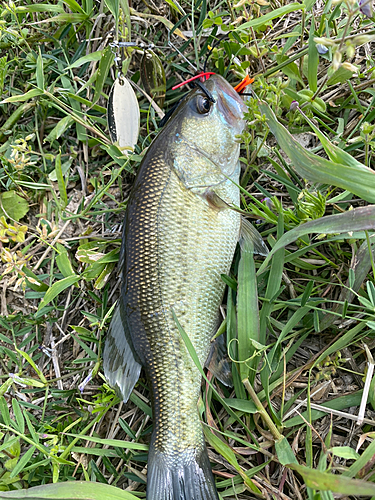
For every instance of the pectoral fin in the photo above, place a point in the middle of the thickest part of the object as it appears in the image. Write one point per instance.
(215, 201)
(120, 361)
(250, 239)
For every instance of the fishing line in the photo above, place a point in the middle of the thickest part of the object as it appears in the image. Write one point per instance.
(214, 45)
(205, 91)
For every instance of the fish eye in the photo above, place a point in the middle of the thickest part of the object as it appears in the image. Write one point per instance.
(203, 105)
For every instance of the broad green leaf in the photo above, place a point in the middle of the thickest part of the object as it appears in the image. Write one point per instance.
(111, 256)
(284, 452)
(241, 405)
(64, 169)
(74, 6)
(175, 6)
(4, 411)
(67, 18)
(309, 4)
(56, 289)
(99, 452)
(275, 13)
(290, 70)
(273, 288)
(38, 7)
(60, 128)
(23, 461)
(67, 84)
(8, 444)
(3, 74)
(70, 490)
(113, 6)
(4, 388)
(247, 316)
(34, 185)
(94, 56)
(63, 262)
(104, 276)
(32, 363)
(88, 103)
(341, 75)
(336, 154)
(362, 218)
(344, 452)
(366, 456)
(222, 448)
(39, 71)
(33, 382)
(13, 206)
(18, 416)
(61, 181)
(104, 65)
(357, 179)
(116, 443)
(333, 482)
(23, 97)
(339, 403)
(40, 286)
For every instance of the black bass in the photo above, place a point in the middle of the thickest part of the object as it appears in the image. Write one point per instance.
(180, 235)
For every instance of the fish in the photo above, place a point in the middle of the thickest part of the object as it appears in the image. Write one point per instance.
(179, 236)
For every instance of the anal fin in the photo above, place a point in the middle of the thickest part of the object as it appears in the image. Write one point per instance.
(218, 361)
(120, 361)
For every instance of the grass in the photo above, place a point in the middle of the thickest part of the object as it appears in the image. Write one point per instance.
(299, 422)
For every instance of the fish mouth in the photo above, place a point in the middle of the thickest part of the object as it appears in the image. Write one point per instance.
(230, 105)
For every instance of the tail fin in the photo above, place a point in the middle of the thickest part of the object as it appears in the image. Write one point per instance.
(180, 476)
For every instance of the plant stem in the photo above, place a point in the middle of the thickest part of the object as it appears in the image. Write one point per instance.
(267, 419)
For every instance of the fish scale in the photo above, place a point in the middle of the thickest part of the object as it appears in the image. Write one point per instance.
(176, 245)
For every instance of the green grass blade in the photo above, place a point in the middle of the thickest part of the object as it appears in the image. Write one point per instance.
(339, 403)
(23, 97)
(22, 462)
(366, 456)
(273, 286)
(357, 179)
(39, 71)
(61, 181)
(56, 289)
(362, 218)
(247, 315)
(284, 452)
(114, 7)
(38, 7)
(104, 66)
(333, 482)
(70, 490)
(312, 70)
(276, 13)
(18, 416)
(116, 443)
